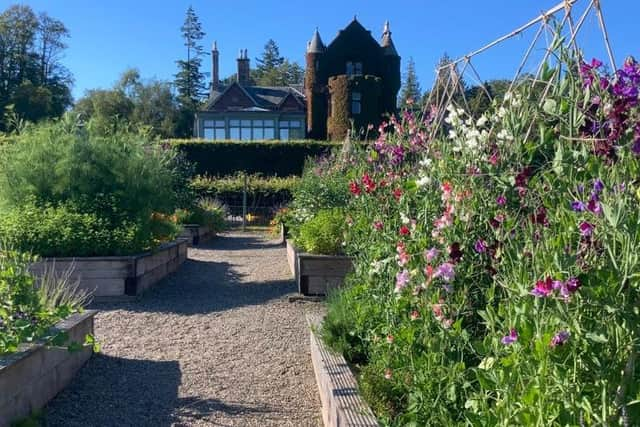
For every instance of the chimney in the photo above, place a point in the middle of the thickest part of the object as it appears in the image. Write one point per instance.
(243, 68)
(215, 70)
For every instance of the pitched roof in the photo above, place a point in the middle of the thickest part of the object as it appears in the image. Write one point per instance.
(265, 98)
(316, 45)
(386, 42)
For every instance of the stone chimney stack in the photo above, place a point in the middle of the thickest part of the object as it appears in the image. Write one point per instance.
(215, 67)
(243, 68)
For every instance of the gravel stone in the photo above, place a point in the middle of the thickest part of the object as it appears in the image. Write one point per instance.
(217, 343)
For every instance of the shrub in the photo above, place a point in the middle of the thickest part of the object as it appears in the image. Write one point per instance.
(323, 234)
(85, 193)
(206, 212)
(26, 311)
(269, 158)
(261, 191)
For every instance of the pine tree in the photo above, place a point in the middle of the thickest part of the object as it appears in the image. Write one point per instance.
(190, 82)
(411, 92)
(449, 85)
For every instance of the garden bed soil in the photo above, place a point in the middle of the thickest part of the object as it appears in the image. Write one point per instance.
(342, 405)
(118, 277)
(317, 274)
(196, 234)
(37, 373)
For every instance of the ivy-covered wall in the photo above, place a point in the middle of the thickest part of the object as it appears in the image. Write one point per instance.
(341, 119)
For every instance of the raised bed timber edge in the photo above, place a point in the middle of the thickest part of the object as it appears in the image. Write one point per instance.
(117, 277)
(196, 234)
(37, 373)
(317, 274)
(342, 405)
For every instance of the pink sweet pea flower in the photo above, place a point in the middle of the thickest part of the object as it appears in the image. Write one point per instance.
(543, 288)
(511, 338)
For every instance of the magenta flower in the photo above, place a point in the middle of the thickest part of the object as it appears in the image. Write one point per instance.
(445, 271)
(480, 246)
(430, 254)
(586, 229)
(378, 225)
(511, 338)
(560, 338)
(402, 278)
(501, 200)
(594, 206)
(543, 288)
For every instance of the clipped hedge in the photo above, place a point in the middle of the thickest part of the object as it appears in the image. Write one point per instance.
(263, 191)
(269, 158)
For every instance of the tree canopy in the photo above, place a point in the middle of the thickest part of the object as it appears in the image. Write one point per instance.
(411, 93)
(34, 85)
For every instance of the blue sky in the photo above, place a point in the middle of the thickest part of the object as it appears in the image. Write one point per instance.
(110, 36)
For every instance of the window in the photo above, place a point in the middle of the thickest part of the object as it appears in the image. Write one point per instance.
(214, 129)
(356, 98)
(263, 129)
(349, 68)
(354, 68)
(291, 129)
(245, 130)
(358, 68)
(234, 130)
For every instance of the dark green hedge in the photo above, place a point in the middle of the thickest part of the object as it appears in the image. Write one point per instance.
(269, 158)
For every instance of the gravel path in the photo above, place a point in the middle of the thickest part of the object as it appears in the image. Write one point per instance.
(216, 344)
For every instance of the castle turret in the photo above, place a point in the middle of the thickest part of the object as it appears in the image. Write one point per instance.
(315, 90)
(392, 76)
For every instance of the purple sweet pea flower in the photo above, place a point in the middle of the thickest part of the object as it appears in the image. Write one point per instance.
(511, 338)
(501, 200)
(594, 206)
(586, 229)
(560, 338)
(402, 278)
(598, 186)
(430, 254)
(445, 271)
(480, 246)
(578, 206)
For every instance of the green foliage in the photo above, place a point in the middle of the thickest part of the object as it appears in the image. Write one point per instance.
(206, 212)
(35, 84)
(269, 158)
(275, 70)
(147, 106)
(411, 93)
(496, 276)
(64, 189)
(257, 186)
(27, 312)
(324, 233)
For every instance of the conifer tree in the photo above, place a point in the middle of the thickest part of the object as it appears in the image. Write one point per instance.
(190, 81)
(411, 91)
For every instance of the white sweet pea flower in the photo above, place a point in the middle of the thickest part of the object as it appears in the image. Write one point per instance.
(404, 218)
(426, 162)
(502, 112)
(481, 121)
(424, 181)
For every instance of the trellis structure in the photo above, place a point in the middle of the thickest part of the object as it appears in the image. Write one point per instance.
(567, 27)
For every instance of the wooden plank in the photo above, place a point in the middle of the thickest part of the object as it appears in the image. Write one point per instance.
(342, 405)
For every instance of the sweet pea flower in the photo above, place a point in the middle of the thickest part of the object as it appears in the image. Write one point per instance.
(594, 206)
(586, 229)
(543, 288)
(598, 186)
(404, 231)
(354, 188)
(445, 271)
(578, 206)
(415, 315)
(402, 278)
(390, 339)
(560, 338)
(501, 200)
(388, 374)
(430, 254)
(511, 338)
(480, 246)
(378, 225)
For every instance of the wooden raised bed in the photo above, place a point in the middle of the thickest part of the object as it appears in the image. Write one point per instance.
(196, 234)
(342, 405)
(37, 373)
(118, 277)
(317, 274)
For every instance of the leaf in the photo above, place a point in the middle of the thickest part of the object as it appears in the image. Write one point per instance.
(487, 363)
(599, 338)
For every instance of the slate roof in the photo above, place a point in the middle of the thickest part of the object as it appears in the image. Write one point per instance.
(265, 98)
